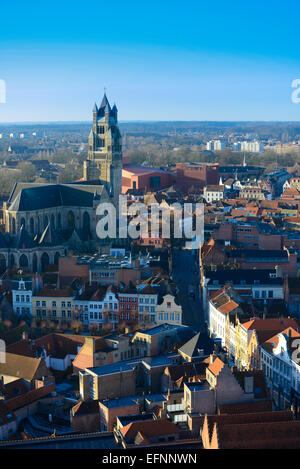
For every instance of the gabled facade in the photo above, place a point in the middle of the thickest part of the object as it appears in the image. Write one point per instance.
(169, 310)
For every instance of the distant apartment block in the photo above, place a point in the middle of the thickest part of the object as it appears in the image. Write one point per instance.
(215, 145)
(251, 147)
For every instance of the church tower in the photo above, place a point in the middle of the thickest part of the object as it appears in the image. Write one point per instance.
(104, 161)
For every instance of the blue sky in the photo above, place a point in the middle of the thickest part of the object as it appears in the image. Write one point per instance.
(159, 60)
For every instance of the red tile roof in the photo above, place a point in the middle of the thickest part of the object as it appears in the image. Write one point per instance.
(216, 367)
(264, 435)
(149, 428)
(245, 407)
(21, 348)
(270, 324)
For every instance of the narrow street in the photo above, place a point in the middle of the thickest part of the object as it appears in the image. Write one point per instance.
(186, 277)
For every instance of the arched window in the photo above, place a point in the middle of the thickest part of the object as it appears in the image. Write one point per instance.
(44, 261)
(12, 260)
(31, 225)
(23, 261)
(58, 222)
(34, 263)
(56, 257)
(71, 220)
(2, 263)
(86, 223)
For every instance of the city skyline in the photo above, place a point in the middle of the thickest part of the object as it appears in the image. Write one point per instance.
(158, 64)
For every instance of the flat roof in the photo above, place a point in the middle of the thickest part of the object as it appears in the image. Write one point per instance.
(198, 386)
(110, 369)
(121, 402)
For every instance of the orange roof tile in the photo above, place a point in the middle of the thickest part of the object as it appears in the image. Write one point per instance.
(270, 324)
(216, 366)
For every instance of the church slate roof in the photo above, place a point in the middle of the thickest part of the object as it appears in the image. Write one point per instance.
(52, 195)
(104, 101)
(198, 342)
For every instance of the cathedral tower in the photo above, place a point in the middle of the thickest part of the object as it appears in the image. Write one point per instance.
(104, 161)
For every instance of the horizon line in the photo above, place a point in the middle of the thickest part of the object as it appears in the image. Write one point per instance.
(143, 121)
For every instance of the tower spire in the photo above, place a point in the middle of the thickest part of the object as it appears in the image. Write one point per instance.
(104, 161)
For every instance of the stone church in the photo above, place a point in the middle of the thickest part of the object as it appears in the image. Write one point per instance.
(42, 220)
